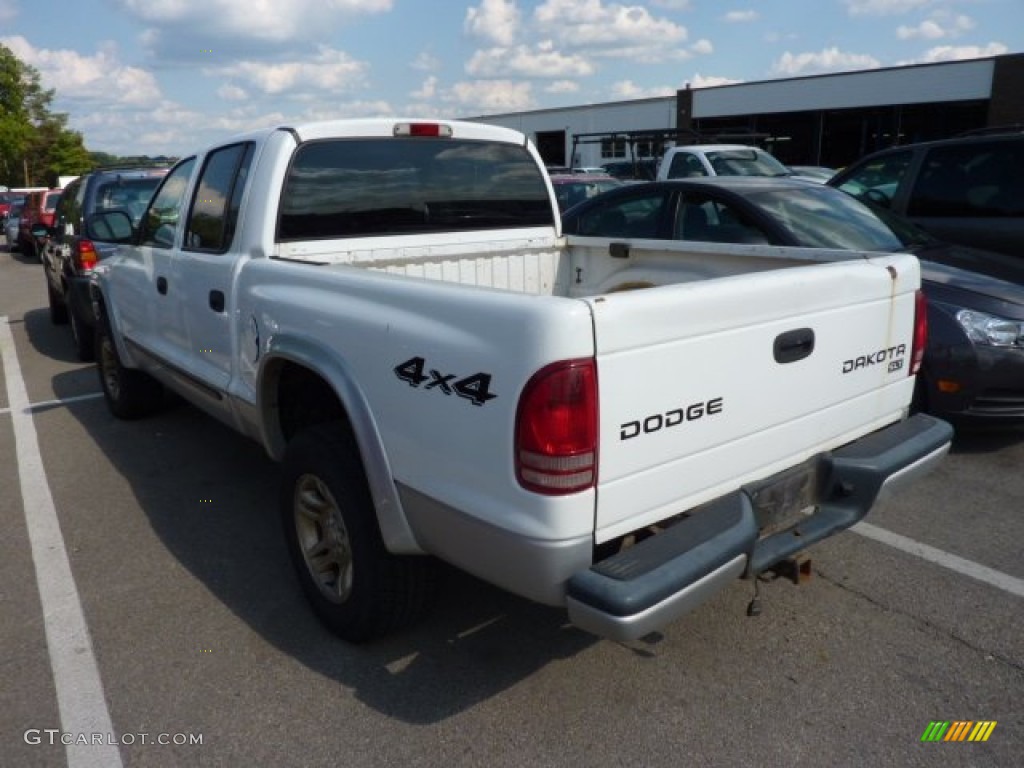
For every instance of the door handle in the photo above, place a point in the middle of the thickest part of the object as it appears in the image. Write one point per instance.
(161, 286)
(217, 301)
(793, 345)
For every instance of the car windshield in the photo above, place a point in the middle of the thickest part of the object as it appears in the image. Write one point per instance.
(818, 217)
(746, 162)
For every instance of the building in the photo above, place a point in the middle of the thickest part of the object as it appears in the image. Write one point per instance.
(826, 120)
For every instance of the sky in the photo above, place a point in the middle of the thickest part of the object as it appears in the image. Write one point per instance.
(169, 77)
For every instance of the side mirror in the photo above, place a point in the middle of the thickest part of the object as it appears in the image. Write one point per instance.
(111, 227)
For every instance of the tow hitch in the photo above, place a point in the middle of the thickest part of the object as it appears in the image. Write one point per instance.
(797, 569)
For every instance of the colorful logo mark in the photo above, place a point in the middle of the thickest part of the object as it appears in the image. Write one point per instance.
(958, 730)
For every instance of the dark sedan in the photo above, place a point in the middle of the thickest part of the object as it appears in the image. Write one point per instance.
(973, 370)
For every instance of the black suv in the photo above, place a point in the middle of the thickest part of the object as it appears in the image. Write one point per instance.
(967, 190)
(77, 241)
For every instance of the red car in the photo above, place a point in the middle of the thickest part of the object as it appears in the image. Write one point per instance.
(39, 209)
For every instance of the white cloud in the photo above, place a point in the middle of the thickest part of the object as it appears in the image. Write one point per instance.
(496, 20)
(272, 20)
(542, 61)
(884, 7)
(961, 52)
(426, 91)
(937, 27)
(593, 24)
(709, 81)
(100, 77)
(739, 17)
(827, 60)
(330, 70)
(492, 96)
(627, 89)
(673, 5)
(562, 86)
(426, 62)
(702, 47)
(231, 92)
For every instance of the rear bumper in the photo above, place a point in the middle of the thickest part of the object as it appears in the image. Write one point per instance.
(649, 585)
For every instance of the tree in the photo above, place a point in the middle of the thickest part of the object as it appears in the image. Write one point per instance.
(36, 145)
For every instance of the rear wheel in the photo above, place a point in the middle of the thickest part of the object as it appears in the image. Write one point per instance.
(357, 589)
(130, 394)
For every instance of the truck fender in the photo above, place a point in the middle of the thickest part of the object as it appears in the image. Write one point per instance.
(336, 373)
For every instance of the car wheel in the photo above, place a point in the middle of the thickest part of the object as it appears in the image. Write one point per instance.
(82, 335)
(357, 589)
(58, 309)
(130, 394)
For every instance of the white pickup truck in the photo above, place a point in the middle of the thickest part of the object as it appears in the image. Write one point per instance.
(389, 307)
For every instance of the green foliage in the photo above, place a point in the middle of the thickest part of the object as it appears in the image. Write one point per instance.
(36, 145)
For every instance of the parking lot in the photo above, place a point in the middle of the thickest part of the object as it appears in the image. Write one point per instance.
(146, 597)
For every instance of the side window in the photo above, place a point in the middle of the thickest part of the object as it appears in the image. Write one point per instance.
(684, 165)
(69, 209)
(700, 218)
(974, 179)
(161, 219)
(878, 180)
(214, 214)
(634, 217)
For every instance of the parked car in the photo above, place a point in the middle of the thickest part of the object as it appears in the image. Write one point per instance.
(7, 200)
(967, 190)
(77, 241)
(39, 209)
(973, 371)
(633, 170)
(817, 173)
(11, 223)
(573, 188)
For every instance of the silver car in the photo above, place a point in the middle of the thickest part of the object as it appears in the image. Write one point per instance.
(11, 226)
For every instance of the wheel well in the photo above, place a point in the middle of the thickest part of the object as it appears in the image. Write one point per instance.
(304, 400)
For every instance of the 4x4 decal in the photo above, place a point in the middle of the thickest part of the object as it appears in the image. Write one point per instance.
(475, 388)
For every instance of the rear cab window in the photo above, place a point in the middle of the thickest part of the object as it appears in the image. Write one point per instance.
(346, 188)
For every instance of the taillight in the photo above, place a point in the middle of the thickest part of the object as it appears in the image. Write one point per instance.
(86, 256)
(556, 429)
(920, 332)
(440, 130)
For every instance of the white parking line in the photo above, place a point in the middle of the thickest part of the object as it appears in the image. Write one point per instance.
(50, 403)
(982, 573)
(80, 699)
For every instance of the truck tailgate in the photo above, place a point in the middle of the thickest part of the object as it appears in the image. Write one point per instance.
(707, 386)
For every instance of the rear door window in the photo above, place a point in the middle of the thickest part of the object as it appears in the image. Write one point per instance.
(342, 188)
(972, 179)
(215, 204)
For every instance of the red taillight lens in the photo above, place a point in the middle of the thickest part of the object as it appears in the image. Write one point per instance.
(556, 429)
(920, 332)
(441, 130)
(86, 255)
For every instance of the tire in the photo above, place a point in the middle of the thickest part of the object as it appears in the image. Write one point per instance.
(83, 336)
(58, 309)
(356, 588)
(130, 394)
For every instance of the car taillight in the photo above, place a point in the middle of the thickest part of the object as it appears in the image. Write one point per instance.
(556, 429)
(920, 332)
(86, 255)
(440, 130)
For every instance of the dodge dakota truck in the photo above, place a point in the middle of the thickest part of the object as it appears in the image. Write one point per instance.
(618, 427)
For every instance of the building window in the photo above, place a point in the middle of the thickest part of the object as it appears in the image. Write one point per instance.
(611, 148)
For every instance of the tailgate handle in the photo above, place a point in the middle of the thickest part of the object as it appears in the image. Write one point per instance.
(794, 345)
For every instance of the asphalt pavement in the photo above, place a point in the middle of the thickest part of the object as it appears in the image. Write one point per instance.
(148, 608)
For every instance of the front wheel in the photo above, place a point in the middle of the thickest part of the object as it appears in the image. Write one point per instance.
(357, 589)
(130, 394)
